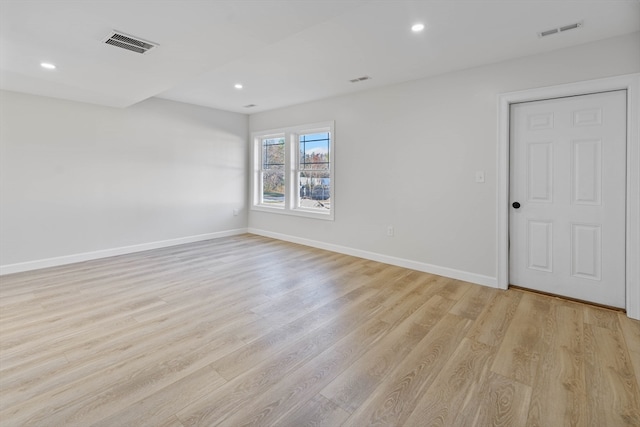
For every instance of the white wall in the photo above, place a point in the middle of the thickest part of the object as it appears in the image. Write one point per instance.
(406, 155)
(77, 178)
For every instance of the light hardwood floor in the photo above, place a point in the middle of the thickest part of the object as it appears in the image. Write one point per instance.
(252, 331)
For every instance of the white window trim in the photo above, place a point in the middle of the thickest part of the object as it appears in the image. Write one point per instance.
(291, 170)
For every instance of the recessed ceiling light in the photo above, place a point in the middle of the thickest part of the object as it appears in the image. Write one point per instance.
(237, 86)
(47, 65)
(416, 28)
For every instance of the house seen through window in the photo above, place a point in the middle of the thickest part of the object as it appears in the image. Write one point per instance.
(314, 172)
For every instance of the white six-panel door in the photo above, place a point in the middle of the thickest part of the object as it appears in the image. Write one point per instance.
(568, 175)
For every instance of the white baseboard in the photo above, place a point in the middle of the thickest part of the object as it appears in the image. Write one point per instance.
(387, 259)
(104, 253)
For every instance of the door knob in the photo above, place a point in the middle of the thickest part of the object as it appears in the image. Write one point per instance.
(516, 205)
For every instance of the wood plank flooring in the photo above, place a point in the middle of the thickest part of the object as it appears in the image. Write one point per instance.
(247, 330)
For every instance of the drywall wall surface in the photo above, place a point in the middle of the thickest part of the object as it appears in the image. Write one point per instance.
(407, 155)
(78, 178)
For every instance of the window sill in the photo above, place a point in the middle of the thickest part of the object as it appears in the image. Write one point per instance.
(294, 212)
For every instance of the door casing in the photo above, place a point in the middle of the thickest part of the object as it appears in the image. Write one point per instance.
(630, 83)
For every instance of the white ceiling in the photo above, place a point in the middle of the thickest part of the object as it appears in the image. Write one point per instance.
(284, 52)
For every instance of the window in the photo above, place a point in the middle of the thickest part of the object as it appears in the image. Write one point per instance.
(314, 171)
(293, 171)
(273, 155)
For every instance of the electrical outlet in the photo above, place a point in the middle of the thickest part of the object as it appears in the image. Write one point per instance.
(390, 231)
(480, 176)
(235, 212)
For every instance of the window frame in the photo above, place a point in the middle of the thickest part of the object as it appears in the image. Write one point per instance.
(292, 170)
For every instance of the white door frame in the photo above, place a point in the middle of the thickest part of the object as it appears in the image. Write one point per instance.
(630, 82)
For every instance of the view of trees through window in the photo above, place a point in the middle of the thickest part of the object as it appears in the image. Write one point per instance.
(273, 158)
(295, 170)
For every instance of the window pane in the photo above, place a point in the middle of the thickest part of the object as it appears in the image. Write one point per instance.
(273, 186)
(314, 175)
(314, 151)
(272, 152)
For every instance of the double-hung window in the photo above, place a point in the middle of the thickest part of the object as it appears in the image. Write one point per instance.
(293, 170)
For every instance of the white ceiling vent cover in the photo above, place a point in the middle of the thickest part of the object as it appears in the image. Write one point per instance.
(560, 29)
(360, 79)
(128, 42)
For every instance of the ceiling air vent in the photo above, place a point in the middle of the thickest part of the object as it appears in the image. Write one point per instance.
(548, 32)
(571, 27)
(125, 41)
(360, 79)
(560, 29)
